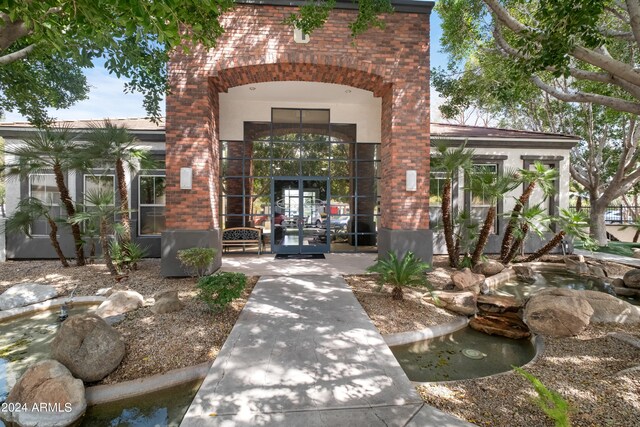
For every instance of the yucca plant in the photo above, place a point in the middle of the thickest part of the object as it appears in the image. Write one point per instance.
(399, 272)
(550, 401)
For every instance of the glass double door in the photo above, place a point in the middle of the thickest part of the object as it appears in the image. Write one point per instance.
(299, 207)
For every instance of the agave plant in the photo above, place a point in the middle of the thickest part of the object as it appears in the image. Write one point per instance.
(400, 272)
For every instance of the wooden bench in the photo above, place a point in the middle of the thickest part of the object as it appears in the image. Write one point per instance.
(242, 236)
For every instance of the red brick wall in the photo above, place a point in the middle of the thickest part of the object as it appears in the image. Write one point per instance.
(256, 47)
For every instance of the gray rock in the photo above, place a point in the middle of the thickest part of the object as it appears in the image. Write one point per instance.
(626, 292)
(609, 309)
(636, 253)
(459, 302)
(466, 280)
(167, 302)
(579, 267)
(488, 268)
(120, 302)
(555, 314)
(617, 282)
(47, 382)
(597, 271)
(88, 347)
(524, 272)
(26, 294)
(632, 278)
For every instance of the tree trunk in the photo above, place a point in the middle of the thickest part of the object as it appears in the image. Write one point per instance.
(557, 239)
(484, 235)
(597, 226)
(636, 236)
(516, 245)
(579, 204)
(124, 203)
(507, 240)
(397, 293)
(71, 210)
(104, 240)
(448, 223)
(53, 235)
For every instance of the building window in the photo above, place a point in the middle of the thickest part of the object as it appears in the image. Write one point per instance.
(151, 212)
(44, 188)
(437, 180)
(479, 202)
(104, 184)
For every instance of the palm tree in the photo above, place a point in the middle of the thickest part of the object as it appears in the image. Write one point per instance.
(541, 176)
(571, 224)
(493, 188)
(113, 146)
(100, 209)
(57, 150)
(450, 161)
(530, 219)
(30, 210)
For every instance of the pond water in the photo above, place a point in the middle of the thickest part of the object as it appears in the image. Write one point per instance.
(25, 341)
(162, 408)
(461, 355)
(558, 278)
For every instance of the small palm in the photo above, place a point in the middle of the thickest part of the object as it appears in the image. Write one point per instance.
(400, 272)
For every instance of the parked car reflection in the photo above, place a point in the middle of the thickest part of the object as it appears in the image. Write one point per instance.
(336, 222)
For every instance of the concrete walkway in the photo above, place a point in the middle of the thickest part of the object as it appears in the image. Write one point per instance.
(304, 353)
(266, 265)
(633, 262)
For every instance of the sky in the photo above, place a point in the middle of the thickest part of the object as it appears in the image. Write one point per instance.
(107, 98)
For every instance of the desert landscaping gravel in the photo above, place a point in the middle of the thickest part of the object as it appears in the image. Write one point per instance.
(598, 374)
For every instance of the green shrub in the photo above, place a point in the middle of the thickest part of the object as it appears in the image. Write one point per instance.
(196, 261)
(126, 255)
(399, 272)
(550, 401)
(220, 289)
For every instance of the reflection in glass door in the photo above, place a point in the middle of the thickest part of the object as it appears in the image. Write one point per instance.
(299, 209)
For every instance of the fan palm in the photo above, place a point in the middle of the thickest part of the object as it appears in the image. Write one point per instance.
(57, 150)
(101, 210)
(30, 210)
(451, 161)
(400, 272)
(493, 187)
(540, 176)
(530, 219)
(114, 146)
(572, 224)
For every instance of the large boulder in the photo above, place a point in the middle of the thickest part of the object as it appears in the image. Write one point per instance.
(524, 272)
(466, 280)
(459, 302)
(488, 268)
(26, 294)
(609, 309)
(597, 271)
(88, 346)
(498, 304)
(579, 267)
(504, 324)
(167, 302)
(632, 278)
(555, 314)
(47, 395)
(120, 302)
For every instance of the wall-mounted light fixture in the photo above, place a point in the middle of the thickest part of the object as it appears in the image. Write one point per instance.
(186, 178)
(412, 180)
(300, 37)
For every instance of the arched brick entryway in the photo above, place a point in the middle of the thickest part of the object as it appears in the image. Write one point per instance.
(393, 64)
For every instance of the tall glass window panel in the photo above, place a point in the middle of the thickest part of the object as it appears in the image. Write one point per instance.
(44, 188)
(99, 184)
(480, 202)
(151, 213)
(437, 180)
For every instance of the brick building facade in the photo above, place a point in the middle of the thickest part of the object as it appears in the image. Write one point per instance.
(392, 64)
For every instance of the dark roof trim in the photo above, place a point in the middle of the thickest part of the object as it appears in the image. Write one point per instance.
(542, 158)
(142, 135)
(531, 142)
(406, 6)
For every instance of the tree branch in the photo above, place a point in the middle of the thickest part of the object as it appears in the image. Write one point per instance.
(505, 17)
(634, 18)
(15, 56)
(607, 101)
